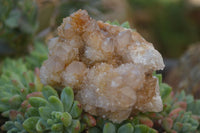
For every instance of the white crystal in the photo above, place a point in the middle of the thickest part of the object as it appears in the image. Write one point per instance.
(109, 67)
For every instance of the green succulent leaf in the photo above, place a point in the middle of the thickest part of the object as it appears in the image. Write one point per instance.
(13, 20)
(75, 127)
(37, 56)
(109, 128)
(45, 112)
(50, 122)
(194, 107)
(83, 126)
(115, 23)
(57, 127)
(41, 125)
(94, 130)
(15, 101)
(8, 125)
(109, 22)
(165, 90)
(3, 108)
(32, 112)
(55, 104)
(76, 110)
(37, 102)
(126, 128)
(100, 122)
(13, 114)
(14, 125)
(56, 116)
(143, 129)
(30, 124)
(66, 119)
(18, 125)
(91, 122)
(48, 91)
(67, 98)
(126, 25)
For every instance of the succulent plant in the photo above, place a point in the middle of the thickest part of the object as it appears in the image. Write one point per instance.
(18, 24)
(177, 115)
(128, 126)
(192, 107)
(37, 56)
(16, 84)
(124, 25)
(15, 125)
(55, 115)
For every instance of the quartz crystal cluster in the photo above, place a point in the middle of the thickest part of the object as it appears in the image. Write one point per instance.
(109, 67)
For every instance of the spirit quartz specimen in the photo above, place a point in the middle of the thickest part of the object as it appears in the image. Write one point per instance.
(109, 67)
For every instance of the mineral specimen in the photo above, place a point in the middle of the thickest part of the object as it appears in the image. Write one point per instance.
(109, 67)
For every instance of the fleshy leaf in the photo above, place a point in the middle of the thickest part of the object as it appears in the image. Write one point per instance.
(115, 23)
(57, 127)
(126, 25)
(41, 125)
(76, 110)
(48, 91)
(126, 128)
(109, 128)
(165, 90)
(75, 127)
(66, 119)
(15, 101)
(32, 112)
(55, 103)
(37, 102)
(13, 20)
(30, 124)
(45, 112)
(94, 130)
(90, 120)
(67, 98)
(143, 129)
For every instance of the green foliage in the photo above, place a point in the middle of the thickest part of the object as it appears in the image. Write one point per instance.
(37, 56)
(128, 126)
(29, 124)
(89, 120)
(124, 25)
(16, 83)
(169, 22)
(67, 97)
(185, 123)
(109, 128)
(18, 24)
(180, 111)
(55, 115)
(15, 126)
(194, 107)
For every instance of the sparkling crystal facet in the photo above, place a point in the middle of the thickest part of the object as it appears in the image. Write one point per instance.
(109, 67)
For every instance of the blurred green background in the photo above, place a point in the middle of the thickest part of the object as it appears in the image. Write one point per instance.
(171, 25)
